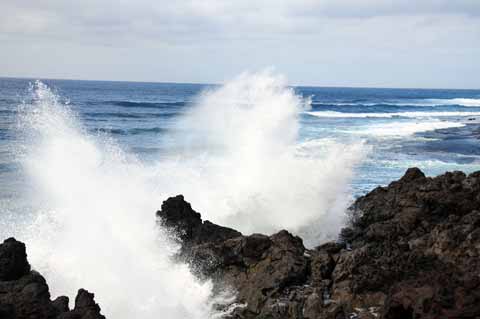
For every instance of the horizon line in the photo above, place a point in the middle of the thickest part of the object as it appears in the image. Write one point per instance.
(204, 83)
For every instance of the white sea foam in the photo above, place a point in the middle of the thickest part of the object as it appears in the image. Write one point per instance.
(468, 102)
(419, 114)
(237, 161)
(457, 101)
(402, 129)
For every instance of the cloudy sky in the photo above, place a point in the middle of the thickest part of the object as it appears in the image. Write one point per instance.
(383, 43)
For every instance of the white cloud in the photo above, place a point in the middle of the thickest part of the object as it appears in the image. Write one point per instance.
(229, 36)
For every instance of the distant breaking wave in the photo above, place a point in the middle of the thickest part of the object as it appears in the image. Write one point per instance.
(467, 102)
(335, 114)
(397, 130)
(457, 101)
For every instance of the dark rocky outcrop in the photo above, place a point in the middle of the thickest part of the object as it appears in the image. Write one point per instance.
(188, 226)
(411, 251)
(24, 292)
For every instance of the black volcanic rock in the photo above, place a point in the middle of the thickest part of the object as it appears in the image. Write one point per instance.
(178, 215)
(85, 307)
(24, 293)
(13, 260)
(412, 250)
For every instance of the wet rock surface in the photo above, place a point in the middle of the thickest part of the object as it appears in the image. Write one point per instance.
(411, 251)
(24, 293)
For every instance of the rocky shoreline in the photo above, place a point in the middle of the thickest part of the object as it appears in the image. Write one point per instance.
(24, 292)
(411, 250)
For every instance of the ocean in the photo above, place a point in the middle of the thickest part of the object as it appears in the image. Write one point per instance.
(85, 164)
(433, 129)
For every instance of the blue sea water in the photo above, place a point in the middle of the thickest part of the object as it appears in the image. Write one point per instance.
(434, 129)
(86, 213)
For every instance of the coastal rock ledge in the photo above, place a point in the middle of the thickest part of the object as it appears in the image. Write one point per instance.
(24, 292)
(411, 251)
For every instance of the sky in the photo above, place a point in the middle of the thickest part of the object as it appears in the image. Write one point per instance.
(368, 43)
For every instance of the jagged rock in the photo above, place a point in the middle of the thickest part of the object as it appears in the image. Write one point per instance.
(258, 266)
(24, 293)
(179, 216)
(13, 260)
(411, 251)
(85, 307)
(415, 242)
(61, 304)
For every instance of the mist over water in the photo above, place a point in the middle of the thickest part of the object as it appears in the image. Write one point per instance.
(236, 158)
(95, 225)
(242, 164)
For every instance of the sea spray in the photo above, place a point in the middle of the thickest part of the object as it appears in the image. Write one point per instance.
(239, 161)
(95, 224)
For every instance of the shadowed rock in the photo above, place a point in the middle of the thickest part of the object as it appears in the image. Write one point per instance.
(178, 215)
(13, 260)
(24, 293)
(85, 307)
